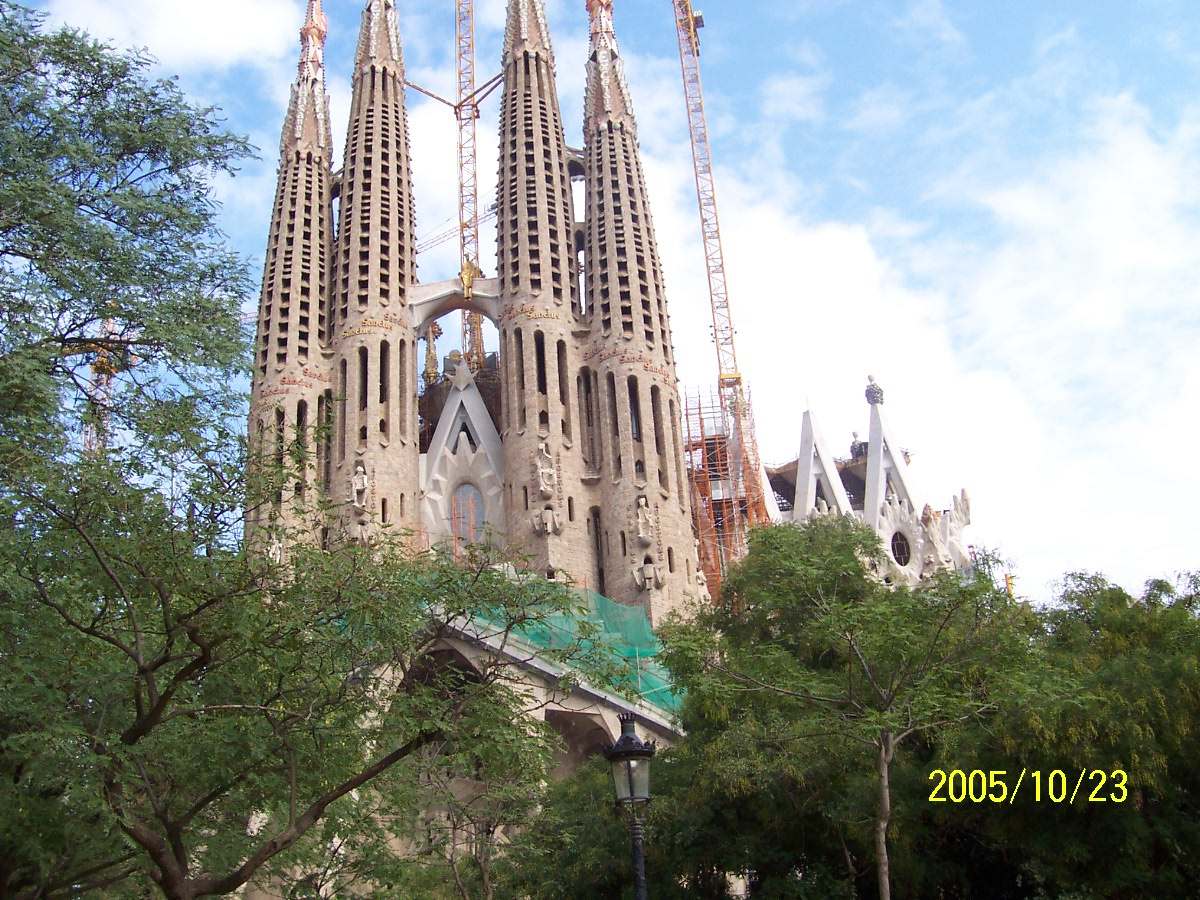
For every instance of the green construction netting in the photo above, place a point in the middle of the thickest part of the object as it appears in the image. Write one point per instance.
(624, 633)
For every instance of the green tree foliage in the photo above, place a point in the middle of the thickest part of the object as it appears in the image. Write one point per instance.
(178, 716)
(778, 776)
(1133, 665)
(816, 695)
(105, 217)
(810, 658)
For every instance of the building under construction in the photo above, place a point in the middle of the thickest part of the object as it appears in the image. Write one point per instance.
(570, 441)
(573, 440)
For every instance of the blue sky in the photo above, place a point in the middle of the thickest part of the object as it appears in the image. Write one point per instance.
(992, 208)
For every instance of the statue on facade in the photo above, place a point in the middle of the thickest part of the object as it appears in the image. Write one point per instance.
(543, 466)
(645, 522)
(360, 484)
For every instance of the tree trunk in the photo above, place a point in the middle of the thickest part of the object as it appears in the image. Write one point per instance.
(883, 815)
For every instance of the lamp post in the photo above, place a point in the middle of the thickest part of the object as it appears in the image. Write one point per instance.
(630, 761)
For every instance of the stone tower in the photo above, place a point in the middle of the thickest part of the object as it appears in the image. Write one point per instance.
(290, 389)
(568, 449)
(375, 456)
(539, 307)
(634, 409)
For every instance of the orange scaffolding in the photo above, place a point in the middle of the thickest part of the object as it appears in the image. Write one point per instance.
(723, 480)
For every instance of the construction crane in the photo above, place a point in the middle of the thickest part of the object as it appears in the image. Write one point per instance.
(727, 481)
(104, 368)
(467, 108)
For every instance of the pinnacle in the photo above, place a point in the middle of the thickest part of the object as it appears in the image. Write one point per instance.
(526, 31)
(607, 98)
(312, 38)
(308, 113)
(379, 39)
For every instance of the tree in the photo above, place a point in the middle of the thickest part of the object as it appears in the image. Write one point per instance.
(808, 654)
(176, 714)
(105, 217)
(1134, 707)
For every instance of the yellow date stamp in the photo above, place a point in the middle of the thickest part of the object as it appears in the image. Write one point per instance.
(978, 786)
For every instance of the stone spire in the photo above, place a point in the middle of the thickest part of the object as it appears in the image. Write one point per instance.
(635, 421)
(373, 344)
(607, 97)
(527, 32)
(539, 295)
(379, 39)
(307, 119)
(289, 393)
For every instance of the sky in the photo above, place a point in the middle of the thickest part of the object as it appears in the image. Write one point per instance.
(993, 209)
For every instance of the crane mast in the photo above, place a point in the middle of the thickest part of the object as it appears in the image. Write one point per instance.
(467, 109)
(724, 511)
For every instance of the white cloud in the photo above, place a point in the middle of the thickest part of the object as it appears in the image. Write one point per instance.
(928, 19)
(880, 110)
(794, 98)
(185, 36)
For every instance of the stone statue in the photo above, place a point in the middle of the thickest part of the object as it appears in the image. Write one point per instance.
(544, 467)
(275, 550)
(359, 485)
(645, 522)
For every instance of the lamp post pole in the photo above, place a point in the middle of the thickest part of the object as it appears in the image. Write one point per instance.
(639, 859)
(630, 761)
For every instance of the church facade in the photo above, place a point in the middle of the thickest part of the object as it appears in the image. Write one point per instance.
(567, 446)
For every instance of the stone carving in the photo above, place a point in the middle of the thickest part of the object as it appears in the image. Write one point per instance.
(935, 554)
(360, 484)
(275, 550)
(645, 523)
(648, 576)
(362, 532)
(874, 392)
(547, 476)
(547, 521)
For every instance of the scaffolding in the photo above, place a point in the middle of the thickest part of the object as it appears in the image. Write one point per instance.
(721, 480)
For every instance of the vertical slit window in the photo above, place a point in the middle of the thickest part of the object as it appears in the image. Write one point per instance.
(518, 339)
(564, 389)
(302, 434)
(614, 424)
(325, 419)
(403, 397)
(362, 378)
(539, 350)
(635, 409)
(385, 362)
(342, 386)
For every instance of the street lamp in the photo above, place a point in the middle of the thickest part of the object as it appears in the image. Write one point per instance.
(630, 761)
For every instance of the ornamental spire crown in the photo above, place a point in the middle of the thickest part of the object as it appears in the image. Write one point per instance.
(607, 99)
(526, 31)
(312, 40)
(307, 119)
(379, 39)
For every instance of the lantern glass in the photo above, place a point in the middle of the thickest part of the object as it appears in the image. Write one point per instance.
(622, 780)
(631, 778)
(639, 777)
